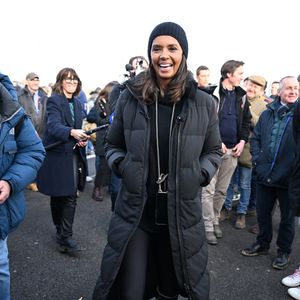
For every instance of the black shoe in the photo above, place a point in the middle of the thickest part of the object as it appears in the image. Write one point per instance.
(281, 261)
(68, 245)
(255, 250)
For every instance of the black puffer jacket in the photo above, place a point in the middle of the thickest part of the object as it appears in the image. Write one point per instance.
(195, 151)
(294, 187)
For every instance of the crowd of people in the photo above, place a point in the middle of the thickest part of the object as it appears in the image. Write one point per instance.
(171, 149)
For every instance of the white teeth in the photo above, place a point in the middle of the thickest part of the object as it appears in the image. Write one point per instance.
(165, 66)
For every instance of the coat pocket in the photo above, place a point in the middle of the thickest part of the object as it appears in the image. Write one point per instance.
(15, 211)
(9, 151)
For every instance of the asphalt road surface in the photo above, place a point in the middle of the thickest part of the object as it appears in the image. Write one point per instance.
(39, 271)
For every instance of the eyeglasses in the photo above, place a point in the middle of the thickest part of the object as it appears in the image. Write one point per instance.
(71, 80)
(35, 79)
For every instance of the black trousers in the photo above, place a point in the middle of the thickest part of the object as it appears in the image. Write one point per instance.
(265, 200)
(63, 211)
(133, 270)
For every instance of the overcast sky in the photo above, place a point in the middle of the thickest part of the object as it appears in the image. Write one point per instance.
(97, 37)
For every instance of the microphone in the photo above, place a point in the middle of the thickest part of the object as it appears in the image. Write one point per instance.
(128, 67)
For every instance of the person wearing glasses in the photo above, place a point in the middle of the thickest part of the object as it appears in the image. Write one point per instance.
(63, 172)
(33, 99)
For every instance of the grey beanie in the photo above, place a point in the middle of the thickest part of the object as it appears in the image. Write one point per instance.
(171, 29)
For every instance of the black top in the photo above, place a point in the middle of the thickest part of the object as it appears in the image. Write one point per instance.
(165, 107)
(228, 123)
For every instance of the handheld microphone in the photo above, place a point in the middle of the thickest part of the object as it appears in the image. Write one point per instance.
(128, 67)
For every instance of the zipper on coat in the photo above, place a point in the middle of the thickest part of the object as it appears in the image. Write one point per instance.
(279, 144)
(186, 286)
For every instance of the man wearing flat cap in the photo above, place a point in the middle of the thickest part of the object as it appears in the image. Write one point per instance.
(33, 99)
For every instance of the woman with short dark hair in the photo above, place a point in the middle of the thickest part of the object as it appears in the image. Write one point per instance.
(63, 172)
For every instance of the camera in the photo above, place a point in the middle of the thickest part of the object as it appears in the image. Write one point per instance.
(136, 65)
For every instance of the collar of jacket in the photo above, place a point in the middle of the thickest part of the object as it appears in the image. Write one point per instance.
(240, 92)
(8, 106)
(276, 106)
(208, 89)
(190, 91)
(25, 90)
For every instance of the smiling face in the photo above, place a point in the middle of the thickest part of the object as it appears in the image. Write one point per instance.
(288, 90)
(254, 90)
(33, 84)
(69, 85)
(166, 57)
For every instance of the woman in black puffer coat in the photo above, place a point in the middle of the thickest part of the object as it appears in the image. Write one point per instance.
(164, 142)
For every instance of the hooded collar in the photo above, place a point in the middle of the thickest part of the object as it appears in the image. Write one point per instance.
(8, 106)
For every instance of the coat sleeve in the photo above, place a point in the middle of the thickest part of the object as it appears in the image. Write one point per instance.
(55, 120)
(211, 155)
(4, 79)
(296, 123)
(28, 159)
(255, 140)
(115, 147)
(246, 123)
(92, 116)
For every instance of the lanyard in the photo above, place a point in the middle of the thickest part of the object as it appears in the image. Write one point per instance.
(161, 181)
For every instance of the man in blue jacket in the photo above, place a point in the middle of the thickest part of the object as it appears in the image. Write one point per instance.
(273, 152)
(21, 155)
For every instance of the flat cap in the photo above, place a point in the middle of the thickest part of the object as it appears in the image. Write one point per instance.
(259, 80)
(31, 76)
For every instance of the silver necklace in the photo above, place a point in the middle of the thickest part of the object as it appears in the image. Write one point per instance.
(161, 181)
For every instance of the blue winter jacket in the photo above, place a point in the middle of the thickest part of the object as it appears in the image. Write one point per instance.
(21, 155)
(272, 147)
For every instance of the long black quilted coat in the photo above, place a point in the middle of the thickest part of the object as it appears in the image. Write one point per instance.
(195, 156)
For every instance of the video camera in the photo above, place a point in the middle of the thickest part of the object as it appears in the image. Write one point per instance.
(136, 65)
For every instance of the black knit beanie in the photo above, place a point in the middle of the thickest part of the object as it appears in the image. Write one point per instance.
(171, 29)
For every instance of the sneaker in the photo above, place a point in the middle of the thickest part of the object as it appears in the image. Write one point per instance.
(294, 293)
(211, 238)
(89, 179)
(224, 215)
(292, 280)
(240, 222)
(254, 250)
(281, 261)
(218, 232)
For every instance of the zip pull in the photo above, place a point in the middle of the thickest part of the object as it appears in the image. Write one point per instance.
(188, 291)
(145, 114)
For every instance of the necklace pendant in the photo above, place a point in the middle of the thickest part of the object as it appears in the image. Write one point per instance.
(162, 184)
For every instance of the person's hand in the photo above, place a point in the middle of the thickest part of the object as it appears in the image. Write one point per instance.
(79, 135)
(82, 143)
(224, 148)
(4, 191)
(238, 149)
